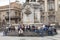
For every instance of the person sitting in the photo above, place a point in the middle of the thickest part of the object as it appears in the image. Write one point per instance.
(19, 27)
(54, 30)
(37, 29)
(20, 32)
(41, 31)
(45, 30)
(50, 31)
(33, 28)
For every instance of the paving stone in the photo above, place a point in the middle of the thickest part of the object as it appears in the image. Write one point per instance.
(56, 37)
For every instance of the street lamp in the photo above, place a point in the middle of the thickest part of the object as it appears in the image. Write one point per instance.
(9, 13)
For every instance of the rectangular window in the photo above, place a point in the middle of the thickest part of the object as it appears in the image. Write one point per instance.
(15, 13)
(7, 13)
(27, 0)
(50, 0)
(16, 21)
(51, 18)
(51, 6)
(19, 14)
(33, 0)
(42, 7)
(42, 19)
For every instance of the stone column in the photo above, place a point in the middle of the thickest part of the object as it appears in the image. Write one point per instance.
(56, 11)
(46, 12)
(56, 5)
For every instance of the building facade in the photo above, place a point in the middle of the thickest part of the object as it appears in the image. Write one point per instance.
(33, 12)
(15, 13)
(40, 11)
(58, 13)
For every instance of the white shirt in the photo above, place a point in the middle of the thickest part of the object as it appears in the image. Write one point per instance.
(20, 31)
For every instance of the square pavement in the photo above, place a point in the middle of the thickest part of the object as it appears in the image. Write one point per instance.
(55, 37)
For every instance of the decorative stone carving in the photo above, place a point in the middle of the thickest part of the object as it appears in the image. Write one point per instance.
(28, 12)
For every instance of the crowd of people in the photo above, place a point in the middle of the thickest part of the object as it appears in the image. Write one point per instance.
(44, 30)
(41, 30)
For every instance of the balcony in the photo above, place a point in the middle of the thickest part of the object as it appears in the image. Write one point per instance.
(51, 9)
(51, 13)
(51, 0)
(13, 17)
(40, 1)
(51, 18)
(52, 22)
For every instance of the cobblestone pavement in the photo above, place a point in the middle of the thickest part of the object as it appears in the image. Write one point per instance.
(56, 37)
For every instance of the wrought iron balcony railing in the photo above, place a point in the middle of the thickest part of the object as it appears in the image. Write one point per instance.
(51, 9)
(13, 17)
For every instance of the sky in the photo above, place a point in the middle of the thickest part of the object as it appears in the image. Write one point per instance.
(5, 2)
